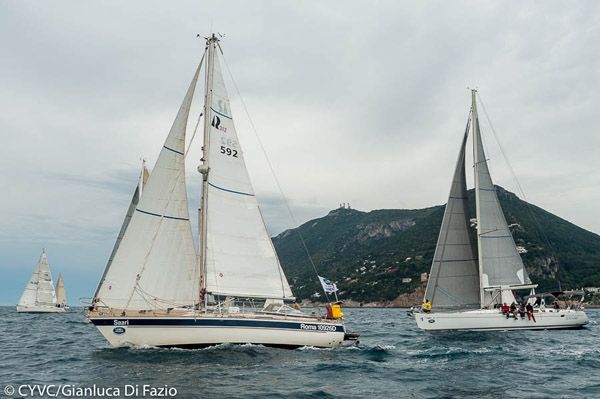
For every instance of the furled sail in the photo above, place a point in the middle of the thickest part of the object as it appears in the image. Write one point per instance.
(454, 278)
(240, 258)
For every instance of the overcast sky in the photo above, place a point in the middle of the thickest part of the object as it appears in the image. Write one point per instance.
(360, 102)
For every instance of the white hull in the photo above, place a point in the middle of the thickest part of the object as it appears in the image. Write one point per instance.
(39, 309)
(493, 320)
(201, 331)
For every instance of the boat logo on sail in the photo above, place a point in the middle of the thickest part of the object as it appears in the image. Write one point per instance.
(119, 330)
(216, 123)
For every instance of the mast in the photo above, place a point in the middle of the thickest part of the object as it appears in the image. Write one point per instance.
(204, 168)
(476, 163)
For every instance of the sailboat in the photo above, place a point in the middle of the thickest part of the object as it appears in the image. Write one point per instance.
(39, 295)
(61, 293)
(158, 290)
(475, 271)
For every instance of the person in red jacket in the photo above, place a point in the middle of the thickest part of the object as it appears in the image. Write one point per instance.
(530, 315)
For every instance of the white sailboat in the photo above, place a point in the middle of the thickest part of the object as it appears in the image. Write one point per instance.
(158, 291)
(39, 295)
(61, 293)
(475, 271)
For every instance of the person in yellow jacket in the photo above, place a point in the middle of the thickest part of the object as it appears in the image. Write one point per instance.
(426, 306)
(336, 310)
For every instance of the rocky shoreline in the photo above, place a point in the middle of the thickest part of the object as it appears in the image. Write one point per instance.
(403, 301)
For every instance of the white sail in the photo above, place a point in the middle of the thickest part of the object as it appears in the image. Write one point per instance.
(144, 175)
(240, 258)
(155, 263)
(454, 278)
(61, 293)
(501, 264)
(40, 287)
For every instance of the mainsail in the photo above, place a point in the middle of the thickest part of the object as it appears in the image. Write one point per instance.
(240, 259)
(501, 264)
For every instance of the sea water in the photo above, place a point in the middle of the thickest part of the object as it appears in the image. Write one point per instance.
(62, 355)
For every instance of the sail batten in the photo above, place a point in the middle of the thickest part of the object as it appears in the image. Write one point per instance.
(162, 216)
(231, 191)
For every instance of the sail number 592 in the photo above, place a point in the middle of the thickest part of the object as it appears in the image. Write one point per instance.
(229, 152)
(226, 147)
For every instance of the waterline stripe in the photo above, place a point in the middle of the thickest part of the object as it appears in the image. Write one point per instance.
(230, 191)
(157, 215)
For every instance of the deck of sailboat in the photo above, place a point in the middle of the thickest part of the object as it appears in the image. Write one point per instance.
(100, 313)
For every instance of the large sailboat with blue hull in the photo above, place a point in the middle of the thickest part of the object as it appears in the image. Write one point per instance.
(158, 290)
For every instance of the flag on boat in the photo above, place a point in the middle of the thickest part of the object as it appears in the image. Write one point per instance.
(328, 285)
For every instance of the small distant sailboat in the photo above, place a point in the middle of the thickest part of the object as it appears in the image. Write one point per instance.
(474, 272)
(61, 293)
(39, 295)
(157, 290)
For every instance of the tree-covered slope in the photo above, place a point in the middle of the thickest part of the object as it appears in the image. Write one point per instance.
(379, 255)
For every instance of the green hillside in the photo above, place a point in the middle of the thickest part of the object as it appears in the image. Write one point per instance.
(379, 255)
